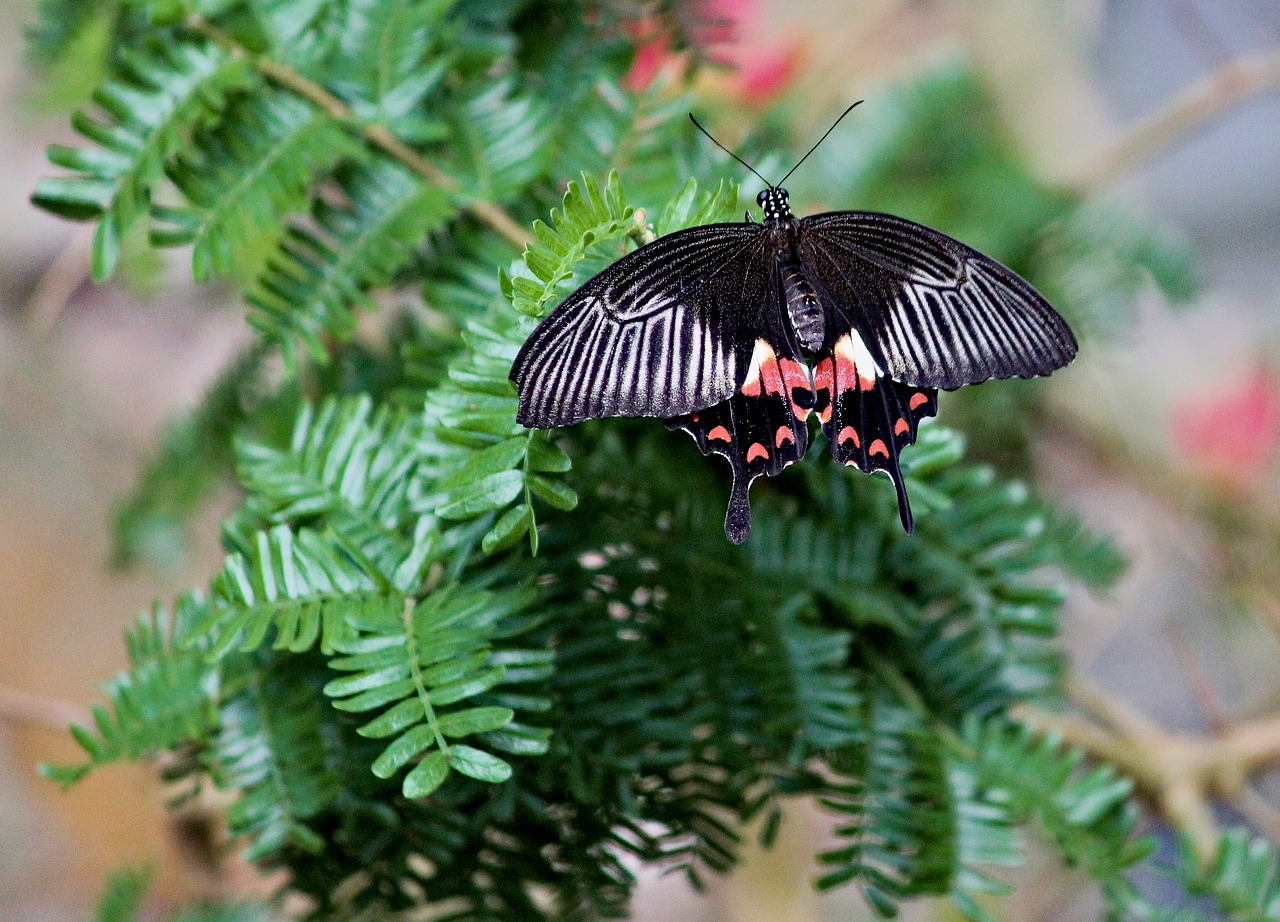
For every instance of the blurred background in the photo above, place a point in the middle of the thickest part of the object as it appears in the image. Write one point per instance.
(1167, 440)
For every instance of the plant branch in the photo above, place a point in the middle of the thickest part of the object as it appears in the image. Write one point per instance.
(1181, 774)
(20, 706)
(377, 135)
(1192, 107)
(58, 283)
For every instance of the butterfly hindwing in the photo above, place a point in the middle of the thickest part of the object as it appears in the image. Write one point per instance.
(935, 313)
(867, 418)
(663, 331)
(760, 429)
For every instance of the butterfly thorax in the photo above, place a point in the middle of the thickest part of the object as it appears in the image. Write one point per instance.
(803, 309)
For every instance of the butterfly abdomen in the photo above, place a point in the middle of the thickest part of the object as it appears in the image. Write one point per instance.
(803, 309)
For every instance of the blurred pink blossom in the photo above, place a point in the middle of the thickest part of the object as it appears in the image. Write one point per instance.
(730, 33)
(1232, 435)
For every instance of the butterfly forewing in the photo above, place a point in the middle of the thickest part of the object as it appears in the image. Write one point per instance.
(661, 332)
(934, 312)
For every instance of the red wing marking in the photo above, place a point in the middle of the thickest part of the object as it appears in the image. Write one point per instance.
(760, 428)
(867, 418)
(784, 377)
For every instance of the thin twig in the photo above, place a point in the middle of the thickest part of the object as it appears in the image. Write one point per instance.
(377, 135)
(24, 707)
(58, 283)
(1194, 106)
(1199, 681)
(1114, 712)
(1191, 21)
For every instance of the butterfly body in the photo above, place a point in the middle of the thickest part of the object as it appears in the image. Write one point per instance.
(739, 333)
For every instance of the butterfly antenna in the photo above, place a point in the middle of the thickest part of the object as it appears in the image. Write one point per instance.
(729, 152)
(820, 140)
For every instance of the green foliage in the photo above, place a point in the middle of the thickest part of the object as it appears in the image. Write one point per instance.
(150, 112)
(420, 662)
(122, 898)
(1242, 882)
(241, 187)
(451, 661)
(166, 697)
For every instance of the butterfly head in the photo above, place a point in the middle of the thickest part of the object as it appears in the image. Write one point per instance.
(774, 202)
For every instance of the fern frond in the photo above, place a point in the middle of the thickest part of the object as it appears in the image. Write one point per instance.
(810, 691)
(588, 217)
(244, 177)
(897, 808)
(1087, 811)
(487, 461)
(166, 697)
(304, 587)
(310, 288)
(501, 141)
(160, 99)
(393, 54)
(418, 662)
(1242, 880)
(271, 751)
(343, 456)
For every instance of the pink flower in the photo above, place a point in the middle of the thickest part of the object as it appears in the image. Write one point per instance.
(1232, 436)
(652, 55)
(728, 32)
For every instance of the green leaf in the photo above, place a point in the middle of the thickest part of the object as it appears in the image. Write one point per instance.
(475, 720)
(427, 775)
(479, 765)
(398, 754)
(482, 495)
(552, 492)
(509, 529)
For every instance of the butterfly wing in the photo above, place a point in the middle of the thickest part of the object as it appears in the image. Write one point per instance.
(867, 418)
(760, 428)
(663, 331)
(934, 312)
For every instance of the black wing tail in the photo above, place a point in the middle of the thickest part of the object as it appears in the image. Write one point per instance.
(868, 419)
(760, 429)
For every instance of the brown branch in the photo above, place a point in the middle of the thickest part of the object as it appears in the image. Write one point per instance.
(377, 135)
(1180, 774)
(1194, 106)
(58, 283)
(24, 707)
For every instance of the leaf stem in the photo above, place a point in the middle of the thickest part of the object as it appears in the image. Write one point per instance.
(375, 134)
(415, 668)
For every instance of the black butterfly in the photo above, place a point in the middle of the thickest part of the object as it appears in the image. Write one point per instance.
(736, 333)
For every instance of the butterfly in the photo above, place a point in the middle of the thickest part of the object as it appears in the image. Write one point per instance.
(738, 333)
